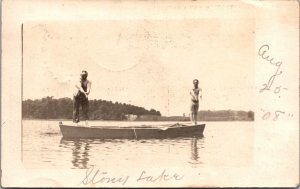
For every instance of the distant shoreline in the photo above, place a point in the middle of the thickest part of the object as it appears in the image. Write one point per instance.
(61, 109)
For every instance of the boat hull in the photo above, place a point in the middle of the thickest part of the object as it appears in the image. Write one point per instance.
(177, 130)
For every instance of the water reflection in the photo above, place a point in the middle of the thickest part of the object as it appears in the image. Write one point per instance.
(84, 151)
(185, 152)
(195, 158)
(80, 152)
(194, 150)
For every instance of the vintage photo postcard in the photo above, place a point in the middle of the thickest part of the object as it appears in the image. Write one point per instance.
(132, 93)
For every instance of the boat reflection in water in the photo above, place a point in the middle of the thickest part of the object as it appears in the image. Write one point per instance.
(103, 152)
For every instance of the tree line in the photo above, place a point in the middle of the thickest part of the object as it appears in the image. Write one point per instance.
(206, 115)
(226, 115)
(62, 108)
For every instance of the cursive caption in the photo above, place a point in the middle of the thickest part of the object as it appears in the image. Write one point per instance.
(96, 176)
(270, 85)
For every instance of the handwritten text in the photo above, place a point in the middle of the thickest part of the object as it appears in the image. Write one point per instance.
(95, 176)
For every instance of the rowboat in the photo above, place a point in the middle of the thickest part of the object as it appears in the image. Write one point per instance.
(132, 132)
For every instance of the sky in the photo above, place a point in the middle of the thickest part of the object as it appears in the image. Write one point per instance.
(148, 63)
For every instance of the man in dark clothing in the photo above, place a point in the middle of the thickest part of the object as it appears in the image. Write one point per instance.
(80, 98)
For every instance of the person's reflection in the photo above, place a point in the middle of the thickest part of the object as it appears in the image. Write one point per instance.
(196, 144)
(194, 150)
(80, 154)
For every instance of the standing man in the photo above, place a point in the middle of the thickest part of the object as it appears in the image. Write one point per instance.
(80, 97)
(195, 100)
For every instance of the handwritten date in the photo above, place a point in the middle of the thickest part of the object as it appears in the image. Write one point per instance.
(274, 115)
(263, 53)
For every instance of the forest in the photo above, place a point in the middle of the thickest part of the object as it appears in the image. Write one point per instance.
(62, 108)
(205, 115)
(226, 115)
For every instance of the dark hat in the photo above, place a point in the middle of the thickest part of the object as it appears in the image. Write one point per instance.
(195, 80)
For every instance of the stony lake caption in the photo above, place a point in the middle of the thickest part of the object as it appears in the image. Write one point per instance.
(96, 176)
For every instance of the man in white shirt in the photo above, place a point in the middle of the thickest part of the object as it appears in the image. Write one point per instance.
(195, 92)
(80, 98)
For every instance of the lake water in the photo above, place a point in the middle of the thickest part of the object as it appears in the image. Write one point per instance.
(223, 144)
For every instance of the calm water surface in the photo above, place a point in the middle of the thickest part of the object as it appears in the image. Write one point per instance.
(223, 143)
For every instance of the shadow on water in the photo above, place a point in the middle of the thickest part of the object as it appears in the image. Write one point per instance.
(81, 148)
